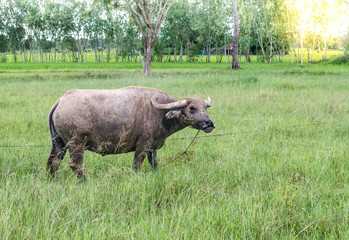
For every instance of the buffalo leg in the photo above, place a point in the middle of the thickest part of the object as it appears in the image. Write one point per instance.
(153, 159)
(139, 157)
(76, 152)
(57, 154)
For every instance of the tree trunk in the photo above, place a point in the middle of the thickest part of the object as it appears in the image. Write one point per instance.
(96, 59)
(283, 53)
(15, 55)
(147, 63)
(247, 55)
(40, 56)
(148, 25)
(235, 62)
(152, 55)
(58, 57)
(312, 51)
(102, 49)
(64, 57)
(78, 48)
(260, 41)
(30, 53)
(20, 54)
(271, 49)
(117, 54)
(140, 56)
(181, 53)
(55, 51)
(301, 50)
(216, 52)
(225, 49)
(175, 54)
(325, 48)
(308, 51)
(169, 55)
(203, 53)
(82, 53)
(24, 55)
(62, 52)
(320, 50)
(298, 56)
(108, 54)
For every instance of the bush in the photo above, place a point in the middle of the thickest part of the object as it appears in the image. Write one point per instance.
(340, 60)
(2, 57)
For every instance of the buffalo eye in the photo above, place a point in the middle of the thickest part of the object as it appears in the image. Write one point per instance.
(192, 109)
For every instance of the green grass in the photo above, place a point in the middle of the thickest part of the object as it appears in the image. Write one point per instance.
(286, 177)
(90, 58)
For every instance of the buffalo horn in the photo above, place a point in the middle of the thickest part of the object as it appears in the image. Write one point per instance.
(170, 106)
(208, 102)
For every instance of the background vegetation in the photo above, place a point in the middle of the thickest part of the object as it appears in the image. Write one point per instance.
(282, 175)
(65, 31)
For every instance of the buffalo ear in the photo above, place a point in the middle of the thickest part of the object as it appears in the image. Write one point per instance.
(173, 114)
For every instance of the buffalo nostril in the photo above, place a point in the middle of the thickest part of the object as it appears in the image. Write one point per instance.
(209, 122)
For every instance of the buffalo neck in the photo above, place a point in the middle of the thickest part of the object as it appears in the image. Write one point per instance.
(172, 125)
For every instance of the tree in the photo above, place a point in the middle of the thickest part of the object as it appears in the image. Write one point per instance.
(208, 22)
(245, 35)
(177, 29)
(235, 64)
(3, 37)
(95, 29)
(15, 26)
(149, 15)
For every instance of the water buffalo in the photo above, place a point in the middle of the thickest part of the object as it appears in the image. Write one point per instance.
(119, 121)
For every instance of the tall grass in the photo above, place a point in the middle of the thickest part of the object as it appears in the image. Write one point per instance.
(282, 175)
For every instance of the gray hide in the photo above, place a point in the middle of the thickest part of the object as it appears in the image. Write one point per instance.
(119, 121)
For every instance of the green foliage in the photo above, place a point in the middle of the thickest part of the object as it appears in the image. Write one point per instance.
(278, 177)
(3, 58)
(340, 60)
(268, 28)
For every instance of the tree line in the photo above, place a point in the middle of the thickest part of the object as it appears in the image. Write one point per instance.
(65, 31)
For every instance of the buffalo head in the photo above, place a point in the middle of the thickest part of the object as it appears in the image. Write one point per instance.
(191, 111)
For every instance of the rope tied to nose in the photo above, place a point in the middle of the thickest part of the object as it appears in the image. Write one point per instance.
(184, 152)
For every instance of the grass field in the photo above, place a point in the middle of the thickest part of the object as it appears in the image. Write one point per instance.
(282, 175)
(90, 57)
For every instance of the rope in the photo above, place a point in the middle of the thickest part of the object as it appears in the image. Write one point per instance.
(248, 132)
(184, 152)
(23, 146)
(191, 142)
(205, 136)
